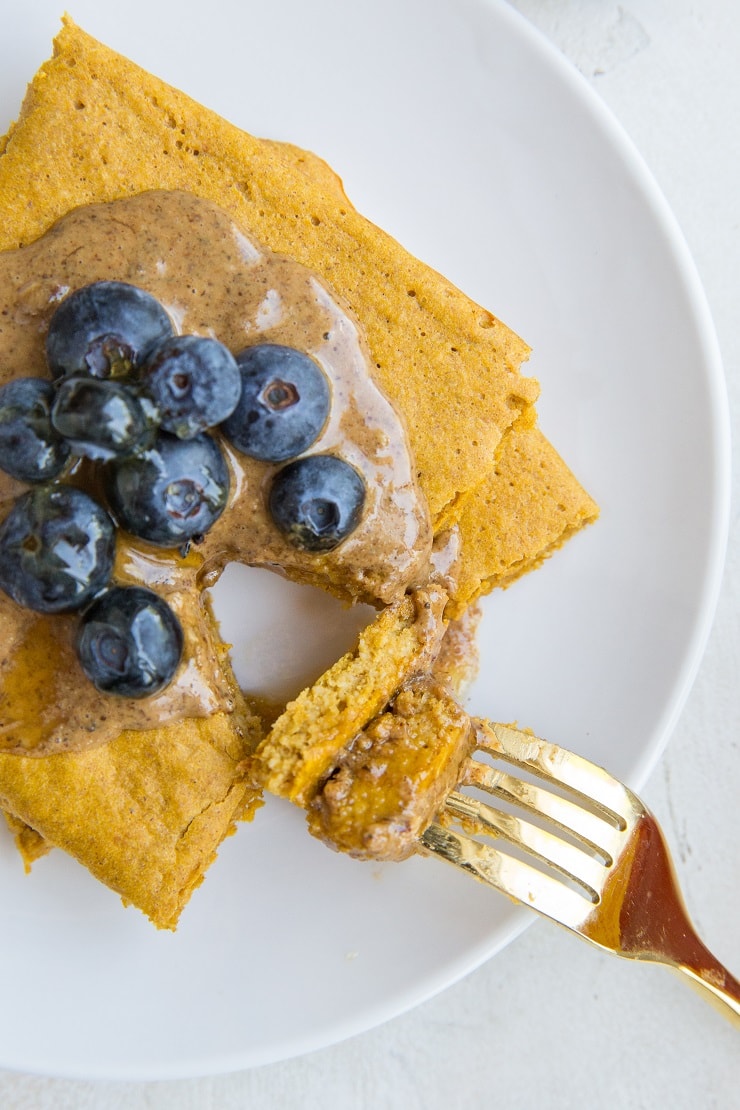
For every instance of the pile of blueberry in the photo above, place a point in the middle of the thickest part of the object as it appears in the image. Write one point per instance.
(138, 403)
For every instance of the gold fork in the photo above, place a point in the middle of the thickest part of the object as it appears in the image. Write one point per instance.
(606, 873)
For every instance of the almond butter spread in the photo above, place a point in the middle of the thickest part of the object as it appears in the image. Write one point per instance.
(213, 281)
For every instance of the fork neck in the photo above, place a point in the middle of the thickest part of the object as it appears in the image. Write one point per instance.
(654, 923)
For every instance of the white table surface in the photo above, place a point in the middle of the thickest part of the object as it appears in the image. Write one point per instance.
(550, 1021)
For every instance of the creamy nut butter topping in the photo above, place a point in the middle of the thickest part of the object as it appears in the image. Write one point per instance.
(214, 281)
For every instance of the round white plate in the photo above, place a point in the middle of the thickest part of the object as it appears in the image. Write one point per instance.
(459, 130)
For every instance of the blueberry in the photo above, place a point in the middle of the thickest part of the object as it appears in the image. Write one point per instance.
(284, 403)
(105, 329)
(171, 492)
(194, 383)
(99, 419)
(129, 642)
(56, 549)
(317, 501)
(30, 448)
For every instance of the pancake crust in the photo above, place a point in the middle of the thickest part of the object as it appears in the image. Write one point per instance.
(500, 539)
(29, 843)
(144, 813)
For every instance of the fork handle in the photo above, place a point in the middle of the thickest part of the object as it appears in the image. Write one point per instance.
(715, 984)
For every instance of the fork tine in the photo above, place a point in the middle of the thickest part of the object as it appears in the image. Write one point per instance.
(513, 877)
(587, 780)
(585, 826)
(552, 850)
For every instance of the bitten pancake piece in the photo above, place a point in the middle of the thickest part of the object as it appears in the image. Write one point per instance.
(144, 813)
(95, 127)
(305, 740)
(390, 780)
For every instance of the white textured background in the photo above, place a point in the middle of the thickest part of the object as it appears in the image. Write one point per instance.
(551, 1022)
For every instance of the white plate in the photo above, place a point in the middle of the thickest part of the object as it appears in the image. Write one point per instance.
(459, 130)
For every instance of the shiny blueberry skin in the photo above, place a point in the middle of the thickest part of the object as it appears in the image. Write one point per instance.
(193, 382)
(105, 329)
(56, 549)
(30, 448)
(100, 419)
(317, 501)
(129, 642)
(171, 492)
(284, 403)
